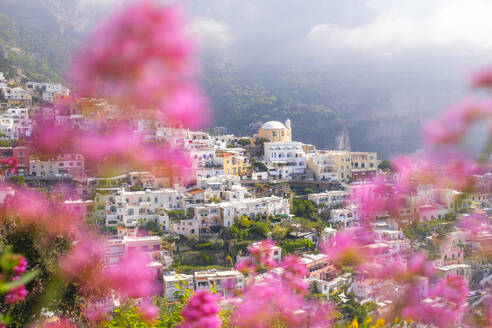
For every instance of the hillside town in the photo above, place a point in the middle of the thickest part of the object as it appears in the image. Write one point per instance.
(240, 190)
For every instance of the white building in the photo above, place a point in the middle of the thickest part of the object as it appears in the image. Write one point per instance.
(175, 283)
(129, 208)
(208, 218)
(115, 249)
(285, 158)
(15, 123)
(329, 198)
(223, 282)
(323, 166)
(344, 217)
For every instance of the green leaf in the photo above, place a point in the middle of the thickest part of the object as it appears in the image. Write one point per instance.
(24, 279)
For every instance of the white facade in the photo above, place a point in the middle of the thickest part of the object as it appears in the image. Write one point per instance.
(115, 249)
(15, 123)
(223, 214)
(343, 216)
(129, 208)
(176, 282)
(285, 158)
(329, 198)
(223, 282)
(323, 166)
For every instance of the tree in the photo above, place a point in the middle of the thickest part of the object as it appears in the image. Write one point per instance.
(260, 230)
(385, 165)
(244, 142)
(279, 232)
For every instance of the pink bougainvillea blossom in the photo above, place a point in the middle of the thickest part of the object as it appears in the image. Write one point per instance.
(474, 222)
(271, 302)
(21, 266)
(148, 311)
(131, 277)
(15, 294)
(292, 273)
(482, 78)
(142, 56)
(344, 249)
(445, 305)
(201, 311)
(260, 258)
(452, 125)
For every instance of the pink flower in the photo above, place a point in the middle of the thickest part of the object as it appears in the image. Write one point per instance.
(16, 294)
(201, 311)
(95, 313)
(260, 258)
(445, 305)
(84, 264)
(21, 266)
(58, 323)
(474, 222)
(131, 278)
(293, 273)
(141, 56)
(482, 78)
(186, 106)
(344, 249)
(50, 139)
(148, 311)
(31, 207)
(382, 268)
(453, 124)
(271, 302)
(418, 265)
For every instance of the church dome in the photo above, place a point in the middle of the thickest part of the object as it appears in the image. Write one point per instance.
(273, 125)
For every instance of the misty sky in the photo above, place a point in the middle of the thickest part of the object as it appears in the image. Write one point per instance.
(401, 60)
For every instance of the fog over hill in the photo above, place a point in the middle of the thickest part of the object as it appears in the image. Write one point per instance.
(377, 68)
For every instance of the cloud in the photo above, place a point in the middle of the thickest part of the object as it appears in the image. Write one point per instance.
(441, 23)
(210, 33)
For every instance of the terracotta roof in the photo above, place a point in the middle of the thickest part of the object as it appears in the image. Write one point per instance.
(224, 155)
(195, 191)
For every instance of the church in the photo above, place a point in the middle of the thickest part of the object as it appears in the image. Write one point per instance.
(276, 131)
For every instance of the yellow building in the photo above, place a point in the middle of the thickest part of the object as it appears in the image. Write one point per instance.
(276, 131)
(233, 164)
(364, 165)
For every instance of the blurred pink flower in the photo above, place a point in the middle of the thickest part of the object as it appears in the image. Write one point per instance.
(482, 78)
(30, 207)
(141, 56)
(56, 323)
(474, 222)
(260, 258)
(452, 125)
(294, 270)
(15, 294)
(95, 314)
(84, 263)
(382, 268)
(50, 139)
(445, 305)
(148, 311)
(186, 106)
(266, 304)
(131, 278)
(270, 302)
(201, 311)
(21, 266)
(344, 249)
(418, 265)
